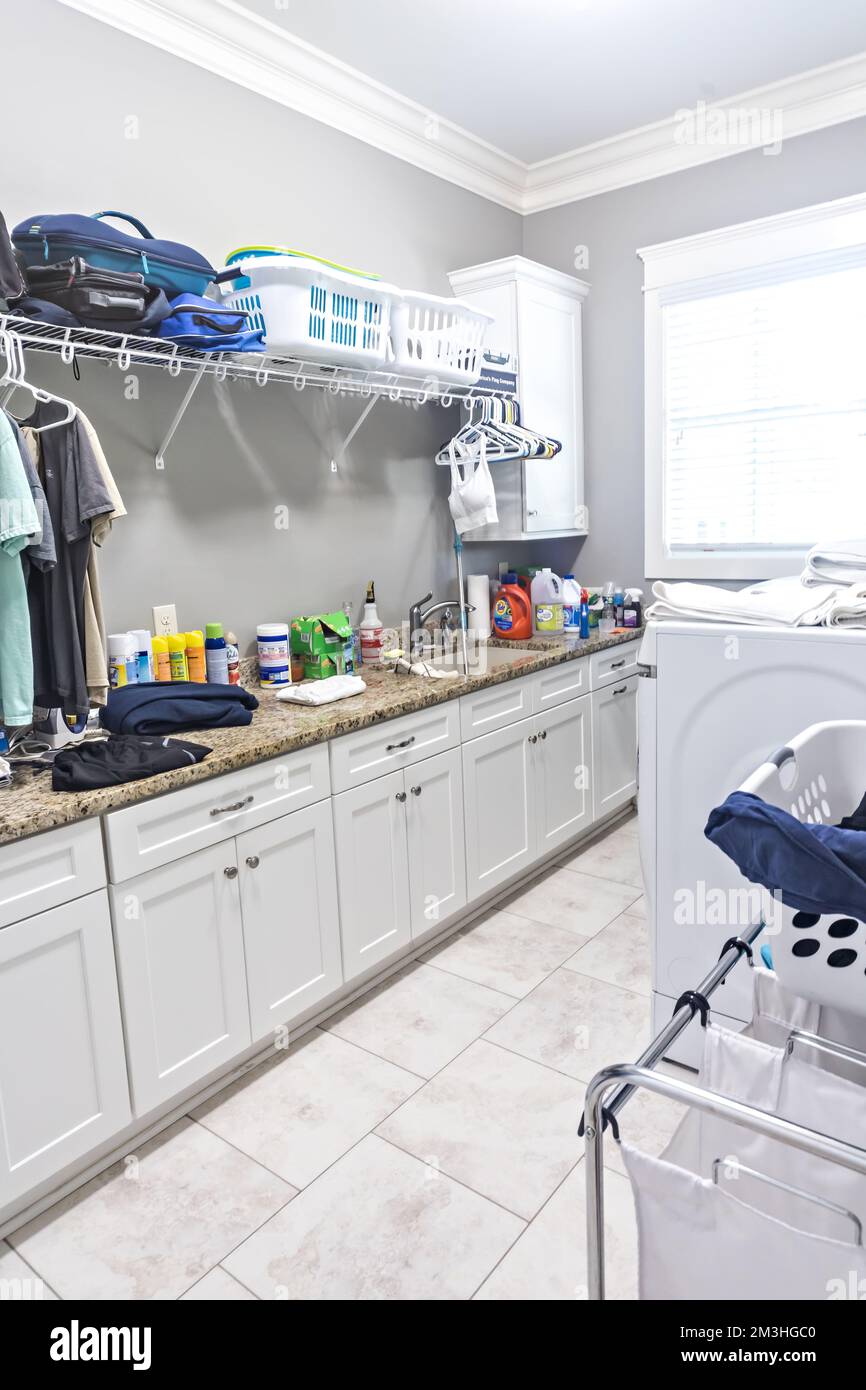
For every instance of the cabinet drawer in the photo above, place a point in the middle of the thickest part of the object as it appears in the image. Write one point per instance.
(495, 707)
(47, 870)
(553, 687)
(168, 827)
(358, 758)
(612, 664)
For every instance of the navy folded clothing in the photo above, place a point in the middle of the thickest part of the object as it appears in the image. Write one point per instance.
(167, 707)
(815, 868)
(108, 762)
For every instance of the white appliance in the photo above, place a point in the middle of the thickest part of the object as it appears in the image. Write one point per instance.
(714, 701)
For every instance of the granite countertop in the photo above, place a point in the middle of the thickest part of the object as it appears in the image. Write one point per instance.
(30, 805)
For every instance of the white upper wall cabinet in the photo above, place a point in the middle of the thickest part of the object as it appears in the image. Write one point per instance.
(536, 339)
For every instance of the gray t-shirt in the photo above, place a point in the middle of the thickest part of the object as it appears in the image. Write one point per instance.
(41, 550)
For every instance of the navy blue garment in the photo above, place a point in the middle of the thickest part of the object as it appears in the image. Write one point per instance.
(167, 707)
(815, 868)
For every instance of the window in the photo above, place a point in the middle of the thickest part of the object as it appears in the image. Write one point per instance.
(756, 394)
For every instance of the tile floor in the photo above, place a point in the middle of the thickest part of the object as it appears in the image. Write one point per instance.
(421, 1144)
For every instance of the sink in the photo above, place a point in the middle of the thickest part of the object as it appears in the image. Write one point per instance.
(481, 659)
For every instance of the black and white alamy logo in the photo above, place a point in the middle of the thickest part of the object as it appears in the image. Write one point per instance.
(77, 1343)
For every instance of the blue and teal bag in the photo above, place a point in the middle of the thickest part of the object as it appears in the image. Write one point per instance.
(169, 265)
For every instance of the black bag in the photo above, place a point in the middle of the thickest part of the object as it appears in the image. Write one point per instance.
(114, 299)
(12, 283)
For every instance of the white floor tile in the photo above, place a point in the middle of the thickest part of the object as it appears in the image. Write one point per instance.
(580, 903)
(19, 1281)
(218, 1287)
(420, 1018)
(576, 1025)
(506, 952)
(380, 1224)
(150, 1227)
(502, 1125)
(306, 1107)
(619, 955)
(549, 1260)
(614, 857)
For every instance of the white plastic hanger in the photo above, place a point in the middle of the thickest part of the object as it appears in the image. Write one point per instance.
(506, 439)
(14, 377)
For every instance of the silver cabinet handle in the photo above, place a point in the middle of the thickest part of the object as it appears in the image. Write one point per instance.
(416, 791)
(230, 871)
(404, 743)
(533, 738)
(620, 689)
(252, 861)
(532, 513)
(615, 665)
(235, 806)
(401, 796)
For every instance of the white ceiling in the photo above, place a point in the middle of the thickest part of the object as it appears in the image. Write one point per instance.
(537, 78)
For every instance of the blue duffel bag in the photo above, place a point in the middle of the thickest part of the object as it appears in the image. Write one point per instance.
(169, 265)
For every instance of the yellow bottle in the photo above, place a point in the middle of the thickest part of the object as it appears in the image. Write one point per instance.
(195, 657)
(161, 663)
(177, 656)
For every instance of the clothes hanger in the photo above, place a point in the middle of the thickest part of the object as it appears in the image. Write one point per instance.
(14, 377)
(506, 438)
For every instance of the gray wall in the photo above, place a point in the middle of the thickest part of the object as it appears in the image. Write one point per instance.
(217, 166)
(810, 169)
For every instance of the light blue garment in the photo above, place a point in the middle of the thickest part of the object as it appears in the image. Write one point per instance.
(18, 522)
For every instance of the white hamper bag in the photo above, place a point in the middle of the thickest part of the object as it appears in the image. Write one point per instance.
(818, 778)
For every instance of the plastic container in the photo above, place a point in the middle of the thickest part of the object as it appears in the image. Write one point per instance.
(233, 659)
(161, 663)
(571, 592)
(195, 657)
(310, 311)
(273, 644)
(547, 608)
(122, 660)
(583, 614)
(438, 337)
(216, 654)
(371, 629)
(144, 652)
(177, 656)
(607, 620)
(632, 613)
(512, 610)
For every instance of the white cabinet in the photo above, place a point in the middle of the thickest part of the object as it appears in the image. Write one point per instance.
(537, 333)
(63, 1084)
(499, 790)
(437, 856)
(290, 918)
(563, 761)
(47, 870)
(373, 872)
(180, 953)
(614, 730)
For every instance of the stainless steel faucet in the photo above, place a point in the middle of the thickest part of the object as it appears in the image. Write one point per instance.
(418, 617)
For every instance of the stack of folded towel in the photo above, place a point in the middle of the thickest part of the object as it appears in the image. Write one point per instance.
(786, 602)
(843, 563)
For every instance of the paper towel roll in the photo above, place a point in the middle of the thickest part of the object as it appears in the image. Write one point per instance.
(478, 594)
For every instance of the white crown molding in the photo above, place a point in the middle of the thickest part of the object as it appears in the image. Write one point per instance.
(224, 38)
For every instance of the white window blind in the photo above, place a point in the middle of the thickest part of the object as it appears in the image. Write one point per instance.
(764, 411)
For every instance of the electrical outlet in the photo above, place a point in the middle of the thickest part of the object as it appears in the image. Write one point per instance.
(164, 620)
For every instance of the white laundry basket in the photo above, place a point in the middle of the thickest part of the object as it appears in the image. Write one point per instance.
(818, 778)
(438, 338)
(310, 311)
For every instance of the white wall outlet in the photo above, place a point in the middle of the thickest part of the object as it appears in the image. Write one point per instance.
(164, 620)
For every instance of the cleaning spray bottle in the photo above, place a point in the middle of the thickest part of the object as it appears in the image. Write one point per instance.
(372, 632)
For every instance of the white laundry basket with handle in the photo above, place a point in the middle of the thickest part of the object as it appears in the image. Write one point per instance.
(819, 777)
(438, 338)
(311, 311)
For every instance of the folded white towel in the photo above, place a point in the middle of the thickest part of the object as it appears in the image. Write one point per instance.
(323, 692)
(842, 563)
(848, 608)
(774, 601)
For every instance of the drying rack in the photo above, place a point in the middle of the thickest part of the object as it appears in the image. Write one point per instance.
(626, 1078)
(125, 350)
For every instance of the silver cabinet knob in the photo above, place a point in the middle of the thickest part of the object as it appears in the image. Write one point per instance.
(416, 791)
(401, 796)
(543, 734)
(533, 738)
(252, 861)
(231, 871)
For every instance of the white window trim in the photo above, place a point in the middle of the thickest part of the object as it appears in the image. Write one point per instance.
(671, 266)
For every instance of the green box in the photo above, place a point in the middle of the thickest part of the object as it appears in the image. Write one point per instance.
(320, 635)
(338, 663)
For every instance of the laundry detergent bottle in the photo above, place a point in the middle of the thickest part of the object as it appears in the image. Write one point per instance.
(512, 610)
(547, 605)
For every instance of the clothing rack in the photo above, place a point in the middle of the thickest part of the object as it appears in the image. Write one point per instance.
(626, 1078)
(125, 350)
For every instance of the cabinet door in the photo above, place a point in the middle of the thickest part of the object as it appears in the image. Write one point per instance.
(563, 757)
(550, 397)
(63, 1084)
(499, 806)
(437, 848)
(372, 872)
(614, 745)
(180, 951)
(288, 879)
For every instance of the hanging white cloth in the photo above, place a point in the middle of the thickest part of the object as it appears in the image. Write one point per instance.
(472, 498)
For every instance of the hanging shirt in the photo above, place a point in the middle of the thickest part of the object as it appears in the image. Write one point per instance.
(18, 522)
(96, 665)
(76, 494)
(40, 550)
